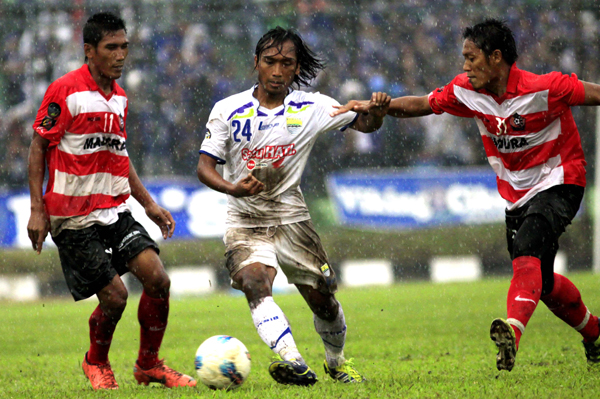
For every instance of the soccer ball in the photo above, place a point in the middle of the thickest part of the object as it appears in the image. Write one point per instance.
(222, 362)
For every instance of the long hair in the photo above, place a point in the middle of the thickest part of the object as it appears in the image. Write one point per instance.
(310, 63)
(493, 34)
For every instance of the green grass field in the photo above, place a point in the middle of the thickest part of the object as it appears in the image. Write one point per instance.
(416, 340)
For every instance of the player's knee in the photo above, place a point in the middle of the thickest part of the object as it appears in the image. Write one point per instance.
(119, 304)
(158, 285)
(113, 305)
(256, 288)
(326, 309)
(255, 285)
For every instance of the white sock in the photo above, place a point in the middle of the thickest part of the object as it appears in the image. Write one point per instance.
(274, 329)
(333, 334)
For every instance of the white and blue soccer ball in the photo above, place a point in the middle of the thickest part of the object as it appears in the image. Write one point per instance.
(222, 362)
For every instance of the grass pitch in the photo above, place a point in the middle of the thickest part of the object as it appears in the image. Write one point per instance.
(410, 340)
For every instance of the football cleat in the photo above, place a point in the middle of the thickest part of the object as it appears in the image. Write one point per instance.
(592, 352)
(345, 372)
(100, 375)
(163, 375)
(502, 333)
(292, 372)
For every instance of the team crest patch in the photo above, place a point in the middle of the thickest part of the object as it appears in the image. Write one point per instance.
(293, 124)
(121, 123)
(53, 110)
(48, 123)
(207, 135)
(517, 122)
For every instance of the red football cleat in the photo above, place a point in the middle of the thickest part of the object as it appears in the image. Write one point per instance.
(163, 375)
(100, 375)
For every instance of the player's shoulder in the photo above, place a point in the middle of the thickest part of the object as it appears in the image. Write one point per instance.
(234, 101)
(535, 82)
(301, 95)
(73, 80)
(461, 81)
(530, 81)
(305, 98)
(65, 84)
(526, 77)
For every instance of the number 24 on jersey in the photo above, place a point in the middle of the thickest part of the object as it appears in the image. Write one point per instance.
(246, 131)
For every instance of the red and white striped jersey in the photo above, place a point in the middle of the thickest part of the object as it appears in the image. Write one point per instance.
(87, 157)
(529, 135)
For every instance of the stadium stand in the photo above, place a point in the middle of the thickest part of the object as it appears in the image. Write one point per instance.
(187, 55)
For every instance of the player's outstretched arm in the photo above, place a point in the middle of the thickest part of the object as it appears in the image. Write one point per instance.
(358, 106)
(207, 174)
(38, 225)
(373, 119)
(401, 107)
(592, 93)
(157, 214)
(410, 107)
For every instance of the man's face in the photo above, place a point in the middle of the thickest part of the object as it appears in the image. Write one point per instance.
(277, 68)
(109, 56)
(477, 65)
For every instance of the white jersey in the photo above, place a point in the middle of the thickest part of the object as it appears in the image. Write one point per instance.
(274, 146)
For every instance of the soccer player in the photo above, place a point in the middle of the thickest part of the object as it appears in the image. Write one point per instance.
(533, 145)
(80, 134)
(263, 137)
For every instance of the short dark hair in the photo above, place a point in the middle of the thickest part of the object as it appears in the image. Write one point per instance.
(98, 25)
(310, 64)
(493, 34)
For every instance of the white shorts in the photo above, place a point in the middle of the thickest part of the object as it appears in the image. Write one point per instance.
(295, 247)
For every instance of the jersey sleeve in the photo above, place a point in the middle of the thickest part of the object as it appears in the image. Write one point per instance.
(217, 134)
(338, 122)
(567, 88)
(53, 116)
(443, 99)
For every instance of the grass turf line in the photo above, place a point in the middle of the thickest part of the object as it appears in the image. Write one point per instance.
(410, 340)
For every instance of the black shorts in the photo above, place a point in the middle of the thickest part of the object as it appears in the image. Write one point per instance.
(558, 205)
(92, 257)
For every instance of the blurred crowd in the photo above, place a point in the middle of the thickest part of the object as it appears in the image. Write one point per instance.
(186, 55)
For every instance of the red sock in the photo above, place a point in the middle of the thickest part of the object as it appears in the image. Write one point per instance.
(152, 315)
(524, 293)
(565, 302)
(101, 332)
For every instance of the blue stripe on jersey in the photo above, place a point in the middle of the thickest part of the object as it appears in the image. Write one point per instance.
(280, 112)
(300, 104)
(219, 160)
(241, 109)
(350, 124)
(286, 331)
(260, 113)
